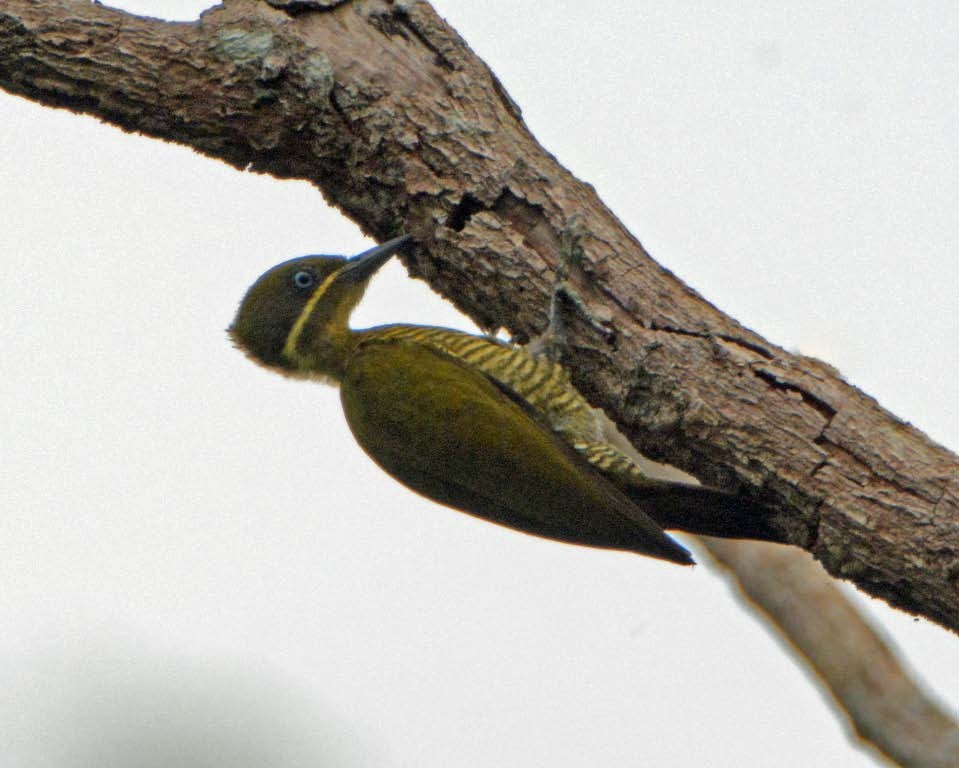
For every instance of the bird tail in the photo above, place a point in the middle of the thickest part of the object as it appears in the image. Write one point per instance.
(701, 510)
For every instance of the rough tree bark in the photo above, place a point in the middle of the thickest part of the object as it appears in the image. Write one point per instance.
(386, 110)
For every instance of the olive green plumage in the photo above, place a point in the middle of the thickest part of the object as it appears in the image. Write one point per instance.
(468, 421)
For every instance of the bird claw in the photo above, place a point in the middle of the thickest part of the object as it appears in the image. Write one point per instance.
(553, 341)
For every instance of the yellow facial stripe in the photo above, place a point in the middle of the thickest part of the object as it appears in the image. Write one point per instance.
(289, 347)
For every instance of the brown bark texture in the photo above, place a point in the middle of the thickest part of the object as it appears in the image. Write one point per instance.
(386, 110)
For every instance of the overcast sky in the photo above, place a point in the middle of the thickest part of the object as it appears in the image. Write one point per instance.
(199, 567)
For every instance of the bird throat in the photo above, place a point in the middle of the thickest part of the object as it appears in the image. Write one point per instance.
(320, 342)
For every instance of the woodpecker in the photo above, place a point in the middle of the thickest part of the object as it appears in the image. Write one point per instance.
(470, 421)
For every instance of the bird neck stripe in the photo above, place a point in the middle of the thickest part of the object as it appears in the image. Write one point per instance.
(289, 348)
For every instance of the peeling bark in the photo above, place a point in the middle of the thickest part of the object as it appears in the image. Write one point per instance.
(386, 110)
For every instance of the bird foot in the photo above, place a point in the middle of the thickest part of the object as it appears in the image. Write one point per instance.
(553, 341)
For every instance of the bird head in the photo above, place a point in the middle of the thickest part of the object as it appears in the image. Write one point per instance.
(300, 306)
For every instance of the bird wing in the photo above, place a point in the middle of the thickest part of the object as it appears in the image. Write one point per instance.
(447, 431)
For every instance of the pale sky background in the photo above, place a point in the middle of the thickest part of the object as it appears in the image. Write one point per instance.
(200, 567)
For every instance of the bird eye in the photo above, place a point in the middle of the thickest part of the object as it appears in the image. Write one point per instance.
(303, 279)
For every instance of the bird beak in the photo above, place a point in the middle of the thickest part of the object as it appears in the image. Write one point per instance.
(361, 268)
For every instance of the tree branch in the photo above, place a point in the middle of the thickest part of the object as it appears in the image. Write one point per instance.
(385, 109)
(884, 705)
